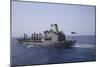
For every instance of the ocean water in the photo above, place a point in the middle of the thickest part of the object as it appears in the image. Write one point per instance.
(83, 50)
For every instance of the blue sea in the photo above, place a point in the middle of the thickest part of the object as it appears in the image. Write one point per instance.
(82, 51)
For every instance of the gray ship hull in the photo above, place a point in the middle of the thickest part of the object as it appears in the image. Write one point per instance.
(66, 43)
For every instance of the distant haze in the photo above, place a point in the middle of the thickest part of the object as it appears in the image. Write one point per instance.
(30, 17)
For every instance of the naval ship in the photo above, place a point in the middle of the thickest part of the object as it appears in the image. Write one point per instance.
(50, 38)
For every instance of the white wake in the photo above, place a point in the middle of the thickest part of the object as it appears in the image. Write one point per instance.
(91, 46)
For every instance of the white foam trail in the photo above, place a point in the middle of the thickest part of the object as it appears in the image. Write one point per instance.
(84, 46)
(29, 46)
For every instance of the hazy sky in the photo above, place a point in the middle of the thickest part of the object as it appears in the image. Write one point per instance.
(29, 17)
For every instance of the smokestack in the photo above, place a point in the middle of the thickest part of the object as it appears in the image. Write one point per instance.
(54, 27)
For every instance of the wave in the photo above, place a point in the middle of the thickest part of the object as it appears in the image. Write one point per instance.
(79, 45)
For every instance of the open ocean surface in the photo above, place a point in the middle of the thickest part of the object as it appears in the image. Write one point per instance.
(83, 50)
